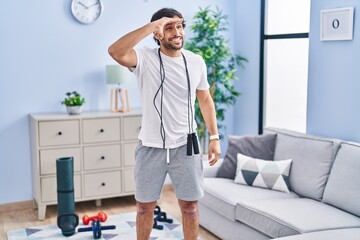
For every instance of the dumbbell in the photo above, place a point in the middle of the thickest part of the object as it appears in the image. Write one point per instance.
(100, 216)
(96, 228)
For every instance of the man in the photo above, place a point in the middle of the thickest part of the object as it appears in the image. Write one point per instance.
(169, 78)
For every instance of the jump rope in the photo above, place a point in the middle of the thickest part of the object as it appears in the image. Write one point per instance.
(192, 141)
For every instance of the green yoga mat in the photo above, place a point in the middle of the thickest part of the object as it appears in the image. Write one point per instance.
(67, 218)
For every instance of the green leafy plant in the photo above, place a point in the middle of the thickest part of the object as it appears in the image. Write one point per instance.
(208, 41)
(73, 99)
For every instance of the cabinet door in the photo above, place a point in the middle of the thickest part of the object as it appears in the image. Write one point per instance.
(129, 180)
(102, 184)
(48, 159)
(102, 157)
(55, 133)
(101, 130)
(49, 187)
(129, 154)
(131, 127)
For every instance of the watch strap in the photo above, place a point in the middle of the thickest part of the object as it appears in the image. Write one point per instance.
(213, 137)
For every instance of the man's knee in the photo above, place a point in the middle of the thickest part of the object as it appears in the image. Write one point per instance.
(188, 207)
(145, 208)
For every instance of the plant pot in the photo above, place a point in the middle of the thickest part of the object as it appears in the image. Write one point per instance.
(74, 110)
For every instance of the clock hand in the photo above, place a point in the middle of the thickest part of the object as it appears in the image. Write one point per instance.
(93, 4)
(86, 7)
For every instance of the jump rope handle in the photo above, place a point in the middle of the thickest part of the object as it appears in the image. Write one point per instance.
(195, 143)
(189, 145)
(192, 142)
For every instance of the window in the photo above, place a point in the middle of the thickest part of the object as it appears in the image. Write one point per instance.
(284, 69)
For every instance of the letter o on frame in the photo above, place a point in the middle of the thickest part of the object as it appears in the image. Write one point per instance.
(335, 23)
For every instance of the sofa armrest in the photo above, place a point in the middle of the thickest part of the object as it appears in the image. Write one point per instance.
(211, 171)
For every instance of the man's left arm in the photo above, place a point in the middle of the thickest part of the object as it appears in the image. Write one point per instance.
(208, 111)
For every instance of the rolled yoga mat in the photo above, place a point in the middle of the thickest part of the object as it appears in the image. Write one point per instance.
(67, 219)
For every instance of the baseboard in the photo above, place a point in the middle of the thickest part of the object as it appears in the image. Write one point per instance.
(29, 204)
(16, 206)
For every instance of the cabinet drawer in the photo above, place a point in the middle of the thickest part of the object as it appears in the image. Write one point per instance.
(132, 127)
(129, 154)
(100, 184)
(102, 157)
(59, 133)
(101, 130)
(129, 180)
(49, 188)
(48, 159)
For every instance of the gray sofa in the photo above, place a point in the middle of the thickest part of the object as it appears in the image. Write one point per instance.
(323, 202)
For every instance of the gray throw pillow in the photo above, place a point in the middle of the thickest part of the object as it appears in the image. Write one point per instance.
(257, 146)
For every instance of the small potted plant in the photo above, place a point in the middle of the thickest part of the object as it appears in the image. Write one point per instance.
(73, 102)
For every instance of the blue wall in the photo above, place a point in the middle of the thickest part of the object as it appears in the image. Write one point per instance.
(334, 78)
(333, 82)
(247, 43)
(45, 53)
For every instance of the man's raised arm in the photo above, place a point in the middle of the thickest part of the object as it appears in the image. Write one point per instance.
(122, 50)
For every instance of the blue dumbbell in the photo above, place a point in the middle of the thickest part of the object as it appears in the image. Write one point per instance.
(96, 228)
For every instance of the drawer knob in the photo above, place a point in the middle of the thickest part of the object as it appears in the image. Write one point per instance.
(59, 133)
(102, 158)
(102, 130)
(103, 184)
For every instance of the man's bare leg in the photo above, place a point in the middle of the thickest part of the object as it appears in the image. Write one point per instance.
(144, 219)
(190, 219)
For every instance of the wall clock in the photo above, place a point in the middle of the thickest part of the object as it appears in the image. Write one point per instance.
(86, 11)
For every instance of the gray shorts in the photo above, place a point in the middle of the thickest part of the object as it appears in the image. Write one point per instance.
(186, 173)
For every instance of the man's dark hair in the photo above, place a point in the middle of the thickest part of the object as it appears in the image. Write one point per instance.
(166, 12)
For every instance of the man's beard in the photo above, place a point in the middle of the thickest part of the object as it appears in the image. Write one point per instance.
(168, 45)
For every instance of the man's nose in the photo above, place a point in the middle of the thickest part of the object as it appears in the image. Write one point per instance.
(176, 31)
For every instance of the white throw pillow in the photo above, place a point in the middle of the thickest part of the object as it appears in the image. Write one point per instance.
(262, 173)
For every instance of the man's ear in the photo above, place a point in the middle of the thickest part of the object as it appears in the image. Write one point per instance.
(156, 35)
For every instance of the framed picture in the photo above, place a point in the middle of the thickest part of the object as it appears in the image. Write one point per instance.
(336, 24)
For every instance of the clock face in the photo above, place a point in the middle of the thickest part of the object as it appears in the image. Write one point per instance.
(86, 11)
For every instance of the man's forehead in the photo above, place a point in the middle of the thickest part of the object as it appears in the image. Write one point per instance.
(177, 21)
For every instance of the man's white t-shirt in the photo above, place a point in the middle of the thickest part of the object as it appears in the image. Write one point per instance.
(175, 95)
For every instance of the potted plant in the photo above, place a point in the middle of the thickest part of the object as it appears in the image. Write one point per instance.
(208, 41)
(73, 102)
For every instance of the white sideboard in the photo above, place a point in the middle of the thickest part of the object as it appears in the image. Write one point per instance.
(102, 144)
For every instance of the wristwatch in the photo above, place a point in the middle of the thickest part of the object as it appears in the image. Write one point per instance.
(216, 136)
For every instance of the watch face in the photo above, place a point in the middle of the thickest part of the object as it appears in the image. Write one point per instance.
(86, 11)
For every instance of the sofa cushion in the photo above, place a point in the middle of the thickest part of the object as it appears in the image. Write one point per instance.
(257, 146)
(284, 217)
(312, 159)
(342, 189)
(262, 173)
(222, 195)
(224, 228)
(341, 234)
